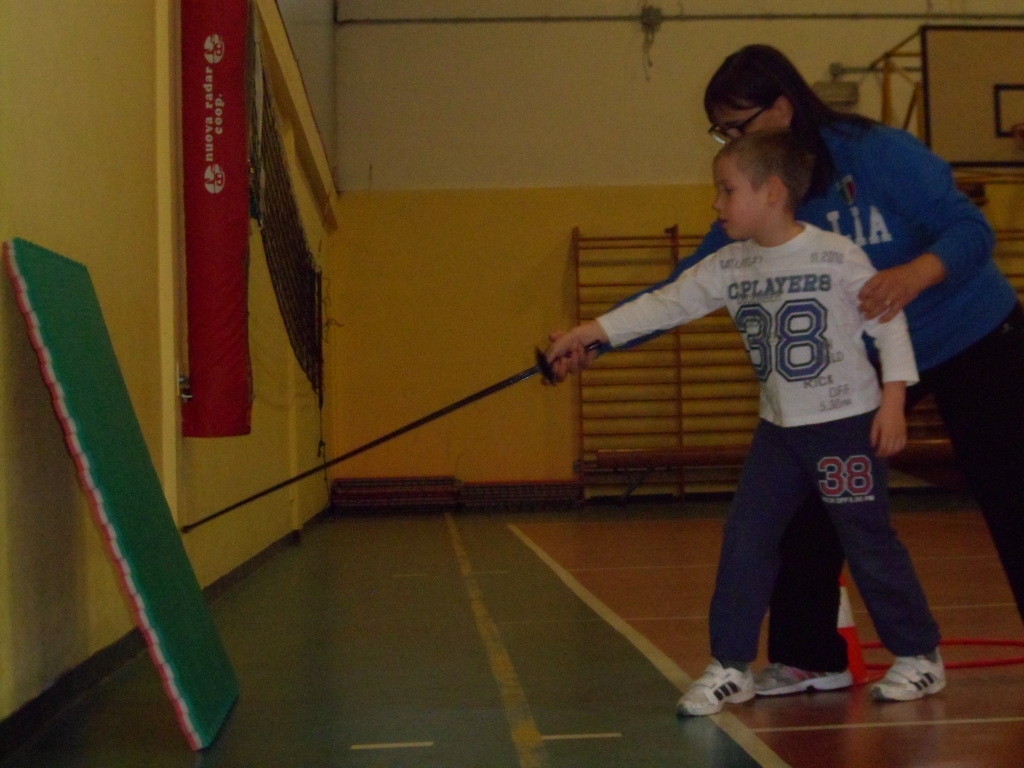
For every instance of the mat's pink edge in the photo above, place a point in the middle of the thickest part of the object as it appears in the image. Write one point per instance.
(97, 504)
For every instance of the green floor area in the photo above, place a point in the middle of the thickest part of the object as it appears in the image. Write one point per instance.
(405, 640)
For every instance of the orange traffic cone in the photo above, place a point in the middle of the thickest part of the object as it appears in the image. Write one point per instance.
(854, 652)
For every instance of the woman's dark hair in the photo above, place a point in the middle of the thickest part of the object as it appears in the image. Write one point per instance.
(755, 76)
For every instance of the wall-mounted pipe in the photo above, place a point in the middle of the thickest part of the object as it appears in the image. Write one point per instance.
(649, 11)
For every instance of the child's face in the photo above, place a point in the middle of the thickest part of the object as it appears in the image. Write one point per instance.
(742, 209)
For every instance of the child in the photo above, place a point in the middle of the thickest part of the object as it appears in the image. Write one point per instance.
(791, 289)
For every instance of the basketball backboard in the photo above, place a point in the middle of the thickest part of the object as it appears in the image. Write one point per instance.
(974, 93)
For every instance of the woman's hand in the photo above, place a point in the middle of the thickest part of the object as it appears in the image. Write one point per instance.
(886, 294)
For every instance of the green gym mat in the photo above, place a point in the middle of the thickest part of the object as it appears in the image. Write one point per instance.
(89, 395)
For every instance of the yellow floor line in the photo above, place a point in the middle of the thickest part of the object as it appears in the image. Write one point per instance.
(580, 736)
(393, 745)
(525, 736)
(731, 725)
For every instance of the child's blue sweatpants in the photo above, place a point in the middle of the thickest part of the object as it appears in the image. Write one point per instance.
(835, 460)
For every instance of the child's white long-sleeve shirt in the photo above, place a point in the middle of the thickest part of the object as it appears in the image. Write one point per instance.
(796, 307)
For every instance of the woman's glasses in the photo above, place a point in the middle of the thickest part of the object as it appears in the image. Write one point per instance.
(725, 133)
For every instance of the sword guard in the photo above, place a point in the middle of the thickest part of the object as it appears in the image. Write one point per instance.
(545, 367)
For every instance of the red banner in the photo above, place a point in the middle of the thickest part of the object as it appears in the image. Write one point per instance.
(214, 35)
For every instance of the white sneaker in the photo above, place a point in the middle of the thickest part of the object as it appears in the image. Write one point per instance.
(716, 687)
(780, 680)
(910, 678)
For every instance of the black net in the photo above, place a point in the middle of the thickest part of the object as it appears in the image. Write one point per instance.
(293, 271)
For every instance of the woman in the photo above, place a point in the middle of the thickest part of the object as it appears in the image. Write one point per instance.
(933, 248)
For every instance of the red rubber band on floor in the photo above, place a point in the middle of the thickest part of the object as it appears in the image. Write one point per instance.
(966, 664)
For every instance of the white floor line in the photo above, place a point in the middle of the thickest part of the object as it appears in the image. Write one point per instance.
(907, 724)
(688, 566)
(971, 607)
(739, 733)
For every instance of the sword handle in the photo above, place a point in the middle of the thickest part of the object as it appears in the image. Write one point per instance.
(545, 367)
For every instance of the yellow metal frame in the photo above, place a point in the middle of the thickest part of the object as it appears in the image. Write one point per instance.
(894, 66)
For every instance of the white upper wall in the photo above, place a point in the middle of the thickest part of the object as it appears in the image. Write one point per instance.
(428, 100)
(311, 29)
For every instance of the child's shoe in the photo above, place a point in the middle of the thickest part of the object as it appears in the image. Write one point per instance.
(716, 687)
(910, 678)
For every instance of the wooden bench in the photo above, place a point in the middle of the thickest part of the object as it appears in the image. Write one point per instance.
(390, 493)
(638, 463)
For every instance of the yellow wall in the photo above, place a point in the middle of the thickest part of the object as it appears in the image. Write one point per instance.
(432, 296)
(1005, 206)
(77, 166)
(88, 168)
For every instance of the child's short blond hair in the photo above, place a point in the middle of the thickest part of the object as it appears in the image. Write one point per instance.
(763, 154)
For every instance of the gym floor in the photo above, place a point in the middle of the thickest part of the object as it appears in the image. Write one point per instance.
(547, 638)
